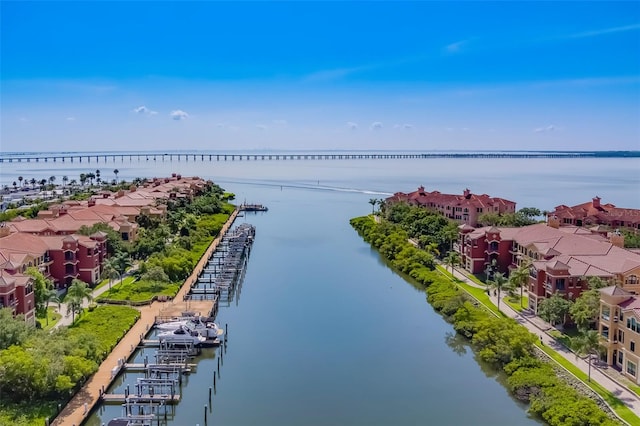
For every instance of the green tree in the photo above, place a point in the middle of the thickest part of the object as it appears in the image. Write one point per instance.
(584, 311)
(122, 262)
(587, 343)
(110, 270)
(13, 330)
(498, 282)
(373, 202)
(41, 286)
(452, 258)
(520, 278)
(115, 172)
(554, 309)
(50, 296)
(77, 292)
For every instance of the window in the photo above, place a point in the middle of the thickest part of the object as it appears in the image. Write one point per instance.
(631, 279)
(620, 358)
(606, 313)
(605, 332)
(632, 324)
(631, 368)
(632, 347)
(560, 284)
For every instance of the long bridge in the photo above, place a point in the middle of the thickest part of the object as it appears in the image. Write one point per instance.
(88, 157)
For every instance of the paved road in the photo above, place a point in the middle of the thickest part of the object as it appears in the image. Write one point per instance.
(538, 326)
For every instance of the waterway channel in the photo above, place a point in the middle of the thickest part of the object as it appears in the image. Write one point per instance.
(324, 333)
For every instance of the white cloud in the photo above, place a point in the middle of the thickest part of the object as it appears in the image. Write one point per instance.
(605, 31)
(456, 47)
(376, 125)
(407, 126)
(220, 125)
(71, 119)
(144, 110)
(549, 128)
(261, 126)
(178, 114)
(23, 119)
(280, 122)
(351, 125)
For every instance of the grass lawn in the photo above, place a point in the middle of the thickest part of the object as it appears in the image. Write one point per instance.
(616, 404)
(53, 316)
(139, 291)
(515, 302)
(477, 293)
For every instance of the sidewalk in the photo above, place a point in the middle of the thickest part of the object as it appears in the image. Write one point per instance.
(539, 327)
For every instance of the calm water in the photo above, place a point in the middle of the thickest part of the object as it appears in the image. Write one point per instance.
(324, 333)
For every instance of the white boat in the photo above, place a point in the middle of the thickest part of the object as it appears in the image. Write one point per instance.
(209, 330)
(183, 335)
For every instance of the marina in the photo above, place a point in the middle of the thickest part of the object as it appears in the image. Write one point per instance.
(179, 340)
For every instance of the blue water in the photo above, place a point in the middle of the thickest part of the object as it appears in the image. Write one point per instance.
(323, 332)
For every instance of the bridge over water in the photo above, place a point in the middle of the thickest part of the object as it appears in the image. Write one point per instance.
(88, 157)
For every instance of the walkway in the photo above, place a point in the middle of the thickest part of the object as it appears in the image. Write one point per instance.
(539, 327)
(78, 409)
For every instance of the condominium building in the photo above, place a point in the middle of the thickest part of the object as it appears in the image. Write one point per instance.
(619, 329)
(51, 242)
(595, 213)
(561, 259)
(464, 208)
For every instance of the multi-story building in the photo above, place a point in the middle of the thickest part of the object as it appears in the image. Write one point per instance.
(561, 259)
(619, 329)
(594, 213)
(51, 242)
(465, 208)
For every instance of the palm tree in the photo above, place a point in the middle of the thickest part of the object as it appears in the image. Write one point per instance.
(122, 263)
(51, 180)
(77, 292)
(587, 343)
(498, 283)
(91, 177)
(20, 178)
(50, 296)
(33, 183)
(15, 185)
(65, 179)
(373, 202)
(520, 277)
(452, 258)
(115, 172)
(83, 179)
(110, 270)
(97, 176)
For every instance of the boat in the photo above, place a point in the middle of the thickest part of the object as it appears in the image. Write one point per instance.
(184, 335)
(208, 329)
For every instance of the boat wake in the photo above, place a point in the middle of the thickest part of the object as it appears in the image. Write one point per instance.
(305, 186)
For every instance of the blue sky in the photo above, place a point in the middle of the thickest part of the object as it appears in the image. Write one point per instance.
(319, 75)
